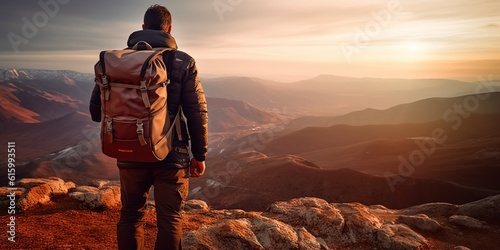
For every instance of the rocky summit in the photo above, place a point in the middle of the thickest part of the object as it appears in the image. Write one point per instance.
(300, 223)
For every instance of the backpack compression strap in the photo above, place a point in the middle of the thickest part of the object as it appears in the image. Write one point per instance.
(143, 86)
(105, 82)
(169, 62)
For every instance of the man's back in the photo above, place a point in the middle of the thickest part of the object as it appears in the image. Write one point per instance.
(170, 176)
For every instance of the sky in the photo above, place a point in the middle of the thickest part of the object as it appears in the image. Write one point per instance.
(278, 40)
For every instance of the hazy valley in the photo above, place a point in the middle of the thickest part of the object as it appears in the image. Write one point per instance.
(390, 142)
(272, 141)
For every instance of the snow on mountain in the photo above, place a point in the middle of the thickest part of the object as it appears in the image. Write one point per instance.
(29, 95)
(67, 76)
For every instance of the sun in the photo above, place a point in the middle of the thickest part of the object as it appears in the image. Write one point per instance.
(413, 50)
(414, 47)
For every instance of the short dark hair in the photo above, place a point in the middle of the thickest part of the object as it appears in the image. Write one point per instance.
(157, 17)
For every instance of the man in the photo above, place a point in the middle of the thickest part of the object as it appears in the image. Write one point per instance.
(170, 176)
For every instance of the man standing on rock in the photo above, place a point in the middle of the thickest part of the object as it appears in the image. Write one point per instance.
(170, 176)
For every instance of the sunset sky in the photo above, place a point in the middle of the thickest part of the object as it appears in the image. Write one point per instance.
(278, 40)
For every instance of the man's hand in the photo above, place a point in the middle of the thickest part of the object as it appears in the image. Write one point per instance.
(196, 168)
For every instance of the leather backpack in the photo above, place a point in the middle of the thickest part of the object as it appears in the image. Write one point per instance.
(135, 125)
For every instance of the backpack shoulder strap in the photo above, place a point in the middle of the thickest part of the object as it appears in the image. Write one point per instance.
(168, 59)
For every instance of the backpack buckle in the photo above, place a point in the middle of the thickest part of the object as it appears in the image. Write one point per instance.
(140, 127)
(105, 84)
(109, 130)
(140, 132)
(143, 86)
(144, 94)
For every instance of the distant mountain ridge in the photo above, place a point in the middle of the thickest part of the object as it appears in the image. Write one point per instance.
(314, 138)
(334, 95)
(321, 95)
(30, 74)
(227, 115)
(426, 110)
(30, 96)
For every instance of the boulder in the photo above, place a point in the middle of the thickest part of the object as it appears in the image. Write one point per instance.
(400, 237)
(109, 197)
(339, 225)
(105, 198)
(86, 189)
(309, 241)
(273, 234)
(316, 215)
(225, 234)
(466, 221)
(253, 232)
(361, 225)
(420, 222)
(487, 209)
(436, 209)
(41, 190)
(98, 183)
(197, 205)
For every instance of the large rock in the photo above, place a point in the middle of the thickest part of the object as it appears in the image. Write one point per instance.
(487, 209)
(421, 222)
(309, 241)
(98, 183)
(106, 197)
(251, 231)
(41, 190)
(316, 215)
(466, 221)
(344, 224)
(273, 234)
(436, 209)
(400, 237)
(197, 205)
(225, 234)
(361, 224)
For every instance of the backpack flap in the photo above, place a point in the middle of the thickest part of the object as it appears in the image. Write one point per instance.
(136, 126)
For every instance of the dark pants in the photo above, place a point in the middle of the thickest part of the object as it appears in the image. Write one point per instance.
(170, 192)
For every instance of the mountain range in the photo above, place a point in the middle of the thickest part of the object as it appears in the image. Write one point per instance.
(334, 95)
(256, 157)
(426, 110)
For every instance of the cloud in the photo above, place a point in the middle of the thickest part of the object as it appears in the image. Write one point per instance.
(492, 26)
(260, 30)
(77, 24)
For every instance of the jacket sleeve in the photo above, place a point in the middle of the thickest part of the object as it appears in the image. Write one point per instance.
(95, 104)
(194, 106)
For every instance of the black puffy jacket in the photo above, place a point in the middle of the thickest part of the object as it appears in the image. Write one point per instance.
(184, 89)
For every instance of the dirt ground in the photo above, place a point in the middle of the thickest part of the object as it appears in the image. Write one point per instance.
(65, 224)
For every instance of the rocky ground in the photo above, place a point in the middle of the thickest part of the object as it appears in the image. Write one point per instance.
(54, 214)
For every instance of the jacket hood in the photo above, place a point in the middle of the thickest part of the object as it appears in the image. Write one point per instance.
(156, 38)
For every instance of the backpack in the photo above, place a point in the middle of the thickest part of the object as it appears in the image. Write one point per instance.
(135, 122)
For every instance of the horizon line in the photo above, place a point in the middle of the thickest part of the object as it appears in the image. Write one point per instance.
(215, 76)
